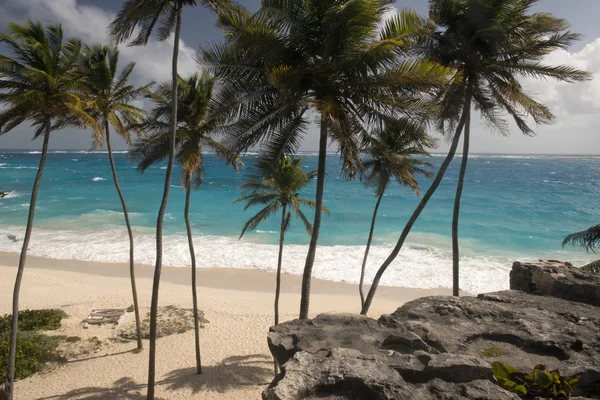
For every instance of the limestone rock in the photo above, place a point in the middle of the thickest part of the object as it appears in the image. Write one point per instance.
(436, 348)
(557, 279)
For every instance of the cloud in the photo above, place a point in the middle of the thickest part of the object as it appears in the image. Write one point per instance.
(153, 62)
(578, 100)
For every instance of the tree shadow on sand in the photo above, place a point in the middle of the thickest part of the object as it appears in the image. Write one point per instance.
(124, 388)
(231, 373)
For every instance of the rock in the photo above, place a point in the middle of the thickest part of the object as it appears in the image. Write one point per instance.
(342, 373)
(337, 372)
(557, 279)
(437, 348)
(327, 331)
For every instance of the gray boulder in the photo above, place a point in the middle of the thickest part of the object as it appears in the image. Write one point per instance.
(341, 373)
(436, 348)
(557, 279)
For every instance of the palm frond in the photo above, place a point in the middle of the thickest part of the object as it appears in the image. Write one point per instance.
(589, 240)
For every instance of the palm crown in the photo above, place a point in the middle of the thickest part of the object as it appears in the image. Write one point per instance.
(109, 94)
(194, 128)
(39, 83)
(392, 153)
(276, 185)
(492, 43)
(330, 57)
(147, 14)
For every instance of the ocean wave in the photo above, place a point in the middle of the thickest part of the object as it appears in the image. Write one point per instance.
(19, 167)
(417, 265)
(259, 231)
(97, 179)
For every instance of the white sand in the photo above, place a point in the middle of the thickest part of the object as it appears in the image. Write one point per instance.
(235, 355)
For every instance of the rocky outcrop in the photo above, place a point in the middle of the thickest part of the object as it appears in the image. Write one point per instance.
(436, 348)
(557, 279)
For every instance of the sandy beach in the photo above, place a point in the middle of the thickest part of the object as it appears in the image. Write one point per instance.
(237, 303)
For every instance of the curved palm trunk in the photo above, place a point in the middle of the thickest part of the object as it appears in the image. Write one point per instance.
(12, 353)
(188, 180)
(161, 216)
(278, 276)
(364, 263)
(138, 330)
(314, 238)
(456, 212)
(413, 218)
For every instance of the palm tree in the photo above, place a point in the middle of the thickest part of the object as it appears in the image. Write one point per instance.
(145, 14)
(297, 59)
(194, 127)
(589, 240)
(277, 186)
(489, 44)
(108, 99)
(38, 85)
(398, 153)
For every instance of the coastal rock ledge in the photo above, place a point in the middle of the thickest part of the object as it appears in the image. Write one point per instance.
(439, 347)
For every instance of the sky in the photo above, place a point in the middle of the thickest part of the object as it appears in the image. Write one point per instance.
(576, 106)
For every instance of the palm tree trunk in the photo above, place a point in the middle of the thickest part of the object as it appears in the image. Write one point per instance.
(12, 353)
(138, 330)
(314, 238)
(364, 263)
(413, 218)
(278, 276)
(456, 213)
(161, 214)
(188, 226)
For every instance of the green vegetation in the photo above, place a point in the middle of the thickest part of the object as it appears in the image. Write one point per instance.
(493, 352)
(34, 320)
(540, 383)
(33, 351)
(33, 348)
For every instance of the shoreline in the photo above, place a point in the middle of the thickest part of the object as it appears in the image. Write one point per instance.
(239, 279)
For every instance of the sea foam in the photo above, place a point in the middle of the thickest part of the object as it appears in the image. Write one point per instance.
(416, 266)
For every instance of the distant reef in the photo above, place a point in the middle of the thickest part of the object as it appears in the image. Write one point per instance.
(443, 347)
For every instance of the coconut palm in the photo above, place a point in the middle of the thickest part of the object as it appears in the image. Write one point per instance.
(108, 96)
(295, 60)
(589, 240)
(38, 85)
(491, 44)
(145, 14)
(276, 187)
(194, 127)
(396, 152)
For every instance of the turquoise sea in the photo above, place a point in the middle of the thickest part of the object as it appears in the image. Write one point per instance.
(514, 207)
